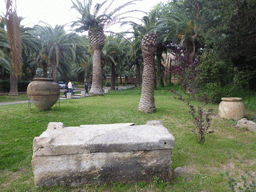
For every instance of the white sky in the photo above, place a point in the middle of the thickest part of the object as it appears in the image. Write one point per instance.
(59, 12)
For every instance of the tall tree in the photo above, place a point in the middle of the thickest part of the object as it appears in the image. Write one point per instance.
(116, 56)
(57, 46)
(148, 47)
(30, 49)
(83, 61)
(14, 38)
(94, 23)
(136, 54)
(181, 23)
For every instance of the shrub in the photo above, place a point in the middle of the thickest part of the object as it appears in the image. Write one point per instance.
(187, 73)
(22, 85)
(215, 91)
(108, 84)
(215, 70)
(5, 85)
(190, 81)
(117, 83)
(201, 121)
(248, 186)
(78, 83)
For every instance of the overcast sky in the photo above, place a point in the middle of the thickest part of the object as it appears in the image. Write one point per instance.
(59, 12)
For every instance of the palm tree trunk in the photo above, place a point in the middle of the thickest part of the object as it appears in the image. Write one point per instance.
(97, 87)
(160, 73)
(147, 101)
(13, 84)
(113, 76)
(121, 82)
(54, 71)
(193, 52)
(14, 38)
(137, 84)
(44, 64)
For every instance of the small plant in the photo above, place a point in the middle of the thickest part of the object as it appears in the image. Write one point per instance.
(159, 183)
(98, 183)
(188, 74)
(201, 121)
(246, 187)
(108, 84)
(190, 81)
(142, 184)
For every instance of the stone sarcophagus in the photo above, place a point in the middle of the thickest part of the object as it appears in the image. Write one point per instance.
(102, 154)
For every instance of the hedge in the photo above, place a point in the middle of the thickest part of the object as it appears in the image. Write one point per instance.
(5, 85)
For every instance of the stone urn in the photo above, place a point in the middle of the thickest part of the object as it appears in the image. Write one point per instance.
(43, 93)
(231, 108)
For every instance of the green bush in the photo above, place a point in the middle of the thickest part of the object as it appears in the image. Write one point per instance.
(108, 84)
(214, 70)
(22, 85)
(214, 92)
(78, 83)
(234, 89)
(5, 85)
(117, 83)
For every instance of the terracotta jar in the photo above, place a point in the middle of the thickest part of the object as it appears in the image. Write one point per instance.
(43, 93)
(231, 108)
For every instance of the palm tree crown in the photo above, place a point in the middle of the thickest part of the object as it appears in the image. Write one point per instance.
(95, 22)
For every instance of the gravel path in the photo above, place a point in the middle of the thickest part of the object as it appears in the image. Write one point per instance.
(14, 102)
(106, 89)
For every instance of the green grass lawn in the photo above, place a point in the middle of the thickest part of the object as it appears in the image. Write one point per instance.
(7, 98)
(228, 149)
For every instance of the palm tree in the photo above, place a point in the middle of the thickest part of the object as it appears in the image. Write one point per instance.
(30, 50)
(136, 54)
(112, 53)
(94, 23)
(83, 60)
(148, 47)
(5, 61)
(181, 27)
(14, 38)
(116, 54)
(58, 48)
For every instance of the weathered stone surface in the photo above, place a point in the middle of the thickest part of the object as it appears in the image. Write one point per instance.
(43, 93)
(246, 123)
(114, 152)
(231, 108)
(82, 93)
(182, 171)
(69, 96)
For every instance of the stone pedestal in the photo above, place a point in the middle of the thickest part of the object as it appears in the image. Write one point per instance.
(110, 153)
(231, 108)
(69, 95)
(82, 93)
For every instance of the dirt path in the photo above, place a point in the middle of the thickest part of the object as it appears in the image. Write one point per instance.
(106, 89)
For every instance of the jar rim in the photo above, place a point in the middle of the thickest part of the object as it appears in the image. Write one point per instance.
(42, 79)
(231, 98)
